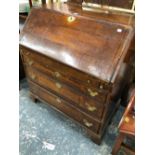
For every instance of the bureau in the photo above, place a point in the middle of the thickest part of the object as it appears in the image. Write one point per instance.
(75, 63)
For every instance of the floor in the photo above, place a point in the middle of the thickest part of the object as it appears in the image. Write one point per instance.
(43, 131)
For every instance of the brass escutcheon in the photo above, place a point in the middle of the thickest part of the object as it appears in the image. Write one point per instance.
(88, 124)
(71, 19)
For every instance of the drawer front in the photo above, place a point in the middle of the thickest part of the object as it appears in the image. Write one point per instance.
(94, 87)
(58, 75)
(64, 107)
(77, 99)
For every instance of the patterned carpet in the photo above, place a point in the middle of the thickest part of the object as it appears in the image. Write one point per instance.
(43, 131)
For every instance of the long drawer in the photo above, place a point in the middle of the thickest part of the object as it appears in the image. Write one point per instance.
(64, 107)
(76, 98)
(88, 84)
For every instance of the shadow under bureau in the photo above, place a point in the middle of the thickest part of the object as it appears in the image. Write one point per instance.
(76, 64)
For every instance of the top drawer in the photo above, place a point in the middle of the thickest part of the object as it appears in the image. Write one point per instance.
(86, 83)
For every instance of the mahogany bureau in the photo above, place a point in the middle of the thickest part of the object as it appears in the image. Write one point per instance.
(75, 63)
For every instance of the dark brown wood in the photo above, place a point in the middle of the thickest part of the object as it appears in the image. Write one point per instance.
(128, 150)
(61, 105)
(75, 62)
(64, 73)
(60, 46)
(21, 67)
(127, 4)
(30, 3)
(127, 123)
(126, 126)
(75, 97)
(118, 143)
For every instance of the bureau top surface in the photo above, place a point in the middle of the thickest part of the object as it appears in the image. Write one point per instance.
(94, 46)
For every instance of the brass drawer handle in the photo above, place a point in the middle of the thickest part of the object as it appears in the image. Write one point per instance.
(30, 62)
(58, 85)
(88, 81)
(33, 76)
(101, 86)
(127, 119)
(90, 108)
(58, 100)
(88, 124)
(92, 93)
(57, 74)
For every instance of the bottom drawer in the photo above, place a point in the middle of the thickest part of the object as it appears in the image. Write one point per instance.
(64, 107)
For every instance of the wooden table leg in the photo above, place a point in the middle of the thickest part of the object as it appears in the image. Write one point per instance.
(118, 143)
(34, 99)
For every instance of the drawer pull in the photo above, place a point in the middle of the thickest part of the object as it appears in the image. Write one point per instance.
(30, 62)
(88, 124)
(57, 74)
(88, 81)
(58, 100)
(127, 119)
(33, 77)
(101, 86)
(91, 108)
(92, 93)
(58, 85)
